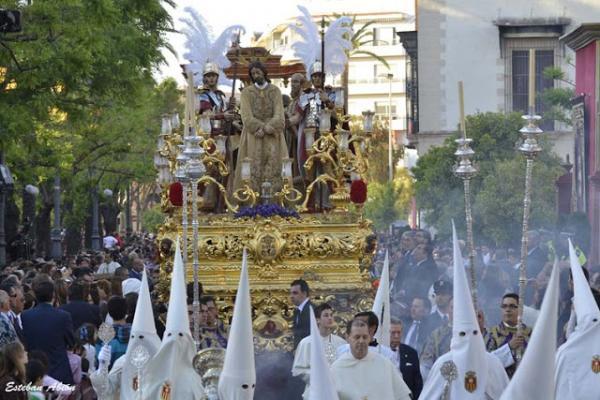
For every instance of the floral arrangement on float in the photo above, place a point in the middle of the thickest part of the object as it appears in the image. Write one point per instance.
(266, 211)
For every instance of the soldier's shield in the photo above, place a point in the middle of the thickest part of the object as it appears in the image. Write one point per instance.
(471, 381)
(596, 364)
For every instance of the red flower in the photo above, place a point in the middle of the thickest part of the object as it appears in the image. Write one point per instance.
(375, 284)
(176, 194)
(358, 191)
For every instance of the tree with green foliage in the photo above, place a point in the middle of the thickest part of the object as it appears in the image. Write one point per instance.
(152, 219)
(78, 99)
(557, 99)
(497, 189)
(389, 201)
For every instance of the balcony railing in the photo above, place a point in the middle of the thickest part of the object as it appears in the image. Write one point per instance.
(374, 80)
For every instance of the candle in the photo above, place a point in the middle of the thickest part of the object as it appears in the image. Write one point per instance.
(205, 126)
(166, 125)
(339, 97)
(325, 123)
(368, 121)
(344, 136)
(221, 140)
(246, 168)
(286, 168)
(309, 138)
(175, 121)
(461, 107)
(532, 81)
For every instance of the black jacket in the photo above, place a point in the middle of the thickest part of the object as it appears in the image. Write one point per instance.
(82, 312)
(50, 330)
(409, 366)
(301, 323)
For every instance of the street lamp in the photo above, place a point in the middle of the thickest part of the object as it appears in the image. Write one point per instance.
(95, 220)
(55, 234)
(30, 193)
(390, 77)
(96, 242)
(6, 185)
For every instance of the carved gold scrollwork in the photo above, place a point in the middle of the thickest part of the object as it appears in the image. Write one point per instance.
(329, 252)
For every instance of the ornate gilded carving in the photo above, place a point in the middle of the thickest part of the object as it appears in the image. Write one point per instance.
(328, 251)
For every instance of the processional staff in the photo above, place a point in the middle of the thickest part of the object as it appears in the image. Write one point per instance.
(530, 149)
(465, 171)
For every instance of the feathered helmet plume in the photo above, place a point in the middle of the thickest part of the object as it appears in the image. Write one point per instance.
(337, 44)
(205, 53)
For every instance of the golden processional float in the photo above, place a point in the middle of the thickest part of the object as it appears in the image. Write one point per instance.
(286, 238)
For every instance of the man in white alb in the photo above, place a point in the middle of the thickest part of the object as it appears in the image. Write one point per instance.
(365, 375)
(325, 321)
(369, 318)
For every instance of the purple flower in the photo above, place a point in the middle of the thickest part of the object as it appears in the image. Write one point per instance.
(266, 211)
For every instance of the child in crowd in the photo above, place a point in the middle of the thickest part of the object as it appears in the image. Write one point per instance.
(88, 338)
(35, 377)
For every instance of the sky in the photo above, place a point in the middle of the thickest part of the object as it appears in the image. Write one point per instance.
(258, 16)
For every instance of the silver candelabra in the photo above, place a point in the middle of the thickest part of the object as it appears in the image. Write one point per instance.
(195, 170)
(466, 171)
(530, 149)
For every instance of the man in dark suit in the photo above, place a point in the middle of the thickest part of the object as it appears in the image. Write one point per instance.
(442, 290)
(419, 276)
(49, 330)
(299, 293)
(409, 359)
(17, 303)
(81, 311)
(417, 329)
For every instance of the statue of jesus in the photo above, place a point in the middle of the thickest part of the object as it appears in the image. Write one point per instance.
(263, 140)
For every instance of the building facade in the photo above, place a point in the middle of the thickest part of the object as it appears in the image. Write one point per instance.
(485, 44)
(585, 41)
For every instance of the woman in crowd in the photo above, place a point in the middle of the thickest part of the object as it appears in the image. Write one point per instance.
(13, 359)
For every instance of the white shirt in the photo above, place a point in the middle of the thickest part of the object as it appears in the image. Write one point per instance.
(301, 306)
(373, 378)
(109, 268)
(109, 242)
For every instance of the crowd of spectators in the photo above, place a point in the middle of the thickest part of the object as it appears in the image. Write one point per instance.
(50, 313)
(421, 271)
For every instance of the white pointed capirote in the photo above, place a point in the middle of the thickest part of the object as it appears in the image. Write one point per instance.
(586, 307)
(238, 378)
(381, 305)
(468, 350)
(578, 359)
(143, 320)
(538, 364)
(171, 371)
(321, 382)
(143, 333)
(177, 314)
(475, 374)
